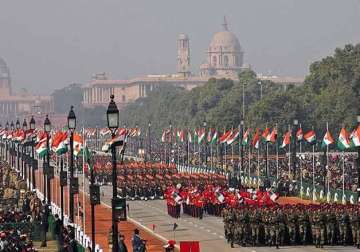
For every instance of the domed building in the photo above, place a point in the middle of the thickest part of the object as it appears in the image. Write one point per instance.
(5, 81)
(224, 56)
(21, 103)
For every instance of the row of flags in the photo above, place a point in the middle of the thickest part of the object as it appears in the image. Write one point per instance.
(59, 140)
(199, 136)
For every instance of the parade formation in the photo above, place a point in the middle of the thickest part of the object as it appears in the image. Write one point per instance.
(220, 159)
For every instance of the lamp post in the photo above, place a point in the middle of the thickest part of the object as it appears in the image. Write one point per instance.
(112, 115)
(358, 160)
(171, 140)
(296, 123)
(2, 147)
(72, 126)
(32, 128)
(205, 149)
(6, 142)
(24, 168)
(241, 146)
(46, 172)
(47, 128)
(12, 127)
(149, 139)
(18, 149)
(261, 91)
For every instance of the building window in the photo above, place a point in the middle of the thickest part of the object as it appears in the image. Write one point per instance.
(226, 61)
(236, 61)
(214, 61)
(123, 98)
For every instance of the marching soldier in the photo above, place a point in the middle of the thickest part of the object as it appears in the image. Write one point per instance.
(343, 226)
(304, 223)
(330, 227)
(255, 222)
(292, 218)
(355, 227)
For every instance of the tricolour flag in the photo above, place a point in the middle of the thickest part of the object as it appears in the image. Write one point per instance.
(299, 135)
(327, 140)
(310, 137)
(212, 136)
(59, 143)
(180, 135)
(286, 139)
(355, 137)
(256, 139)
(41, 146)
(77, 144)
(233, 137)
(343, 141)
(266, 135)
(273, 136)
(201, 135)
(246, 136)
(117, 140)
(225, 136)
(189, 136)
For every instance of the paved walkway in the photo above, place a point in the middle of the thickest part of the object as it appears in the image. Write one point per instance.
(103, 219)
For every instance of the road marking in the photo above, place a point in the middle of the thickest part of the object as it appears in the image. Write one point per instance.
(214, 233)
(221, 237)
(208, 230)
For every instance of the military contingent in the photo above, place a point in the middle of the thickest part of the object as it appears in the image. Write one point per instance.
(325, 224)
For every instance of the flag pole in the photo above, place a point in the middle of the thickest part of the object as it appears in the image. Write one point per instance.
(313, 171)
(277, 155)
(289, 156)
(327, 161)
(83, 198)
(249, 160)
(300, 167)
(343, 178)
(258, 166)
(211, 153)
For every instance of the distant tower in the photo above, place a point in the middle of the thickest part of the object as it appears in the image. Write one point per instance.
(183, 55)
(5, 81)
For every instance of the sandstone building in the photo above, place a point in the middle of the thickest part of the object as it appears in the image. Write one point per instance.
(224, 59)
(19, 104)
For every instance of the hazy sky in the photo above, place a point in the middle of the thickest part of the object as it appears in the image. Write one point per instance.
(49, 44)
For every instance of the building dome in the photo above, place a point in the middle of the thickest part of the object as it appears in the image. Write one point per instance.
(224, 56)
(4, 70)
(183, 36)
(5, 82)
(225, 41)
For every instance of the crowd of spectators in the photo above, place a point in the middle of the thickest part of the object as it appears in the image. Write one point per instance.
(16, 218)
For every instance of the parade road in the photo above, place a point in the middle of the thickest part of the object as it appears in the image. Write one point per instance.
(209, 231)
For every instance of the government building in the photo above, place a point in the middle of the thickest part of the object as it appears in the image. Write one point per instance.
(224, 59)
(21, 104)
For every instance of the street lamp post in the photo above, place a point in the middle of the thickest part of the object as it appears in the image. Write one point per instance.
(296, 123)
(24, 166)
(261, 91)
(72, 126)
(171, 141)
(18, 150)
(6, 142)
(149, 139)
(32, 128)
(358, 161)
(2, 147)
(241, 146)
(205, 147)
(47, 128)
(112, 114)
(12, 146)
